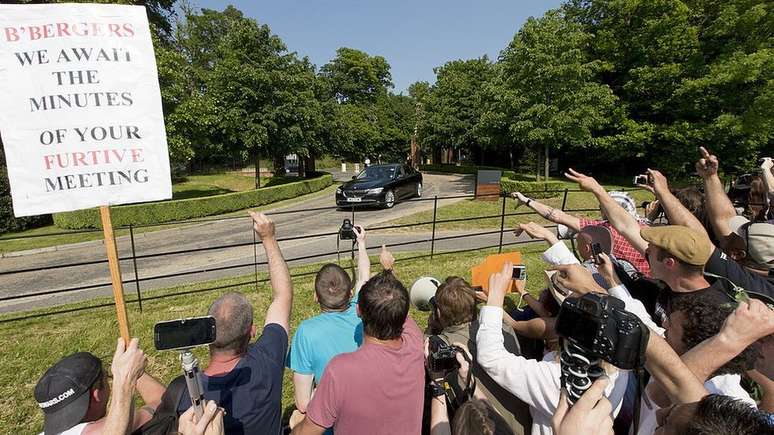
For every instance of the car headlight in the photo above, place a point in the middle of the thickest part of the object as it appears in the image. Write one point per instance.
(338, 191)
(375, 191)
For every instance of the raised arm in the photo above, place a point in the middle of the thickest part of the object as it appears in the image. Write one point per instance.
(719, 207)
(363, 262)
(675, 211)
(619, 218)
(127, 367)
(552, 214)
(677, 381)
(281, 285)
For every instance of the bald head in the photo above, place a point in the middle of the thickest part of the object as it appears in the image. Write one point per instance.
(233, 315)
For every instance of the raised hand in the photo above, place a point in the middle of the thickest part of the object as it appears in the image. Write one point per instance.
(708, 164)
(658, 181)
(536, 232)
(589, 416)
(128, 363)
(499, 284)
(360, 234)
(386, 259)
(262, 225)
(589, 184)
(576, 278)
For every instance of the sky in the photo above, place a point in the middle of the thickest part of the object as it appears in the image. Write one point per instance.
(414, 36)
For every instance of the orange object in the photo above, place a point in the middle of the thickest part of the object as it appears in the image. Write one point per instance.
(493, 263)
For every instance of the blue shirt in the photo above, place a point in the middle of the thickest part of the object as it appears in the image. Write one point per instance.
(251, 393)
(318, 339)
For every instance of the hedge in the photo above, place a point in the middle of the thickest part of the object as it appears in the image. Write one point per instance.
(182, 209)
(454, 169)
(536, 189)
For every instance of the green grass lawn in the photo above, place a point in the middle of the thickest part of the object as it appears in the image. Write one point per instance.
(195, 186)
(470, 208)
(51, 235)
(30, 346)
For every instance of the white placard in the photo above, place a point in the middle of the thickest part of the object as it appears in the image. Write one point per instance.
(80, 107)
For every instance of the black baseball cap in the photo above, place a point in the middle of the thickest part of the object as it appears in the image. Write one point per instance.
(63, 391)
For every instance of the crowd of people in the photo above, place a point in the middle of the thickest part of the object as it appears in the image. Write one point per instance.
(696, 270)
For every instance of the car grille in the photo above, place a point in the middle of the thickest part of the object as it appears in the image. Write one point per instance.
(354, 193)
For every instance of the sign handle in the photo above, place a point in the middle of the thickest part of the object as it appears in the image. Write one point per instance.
(115, 272)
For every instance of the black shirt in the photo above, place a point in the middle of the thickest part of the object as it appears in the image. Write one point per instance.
(722, 265)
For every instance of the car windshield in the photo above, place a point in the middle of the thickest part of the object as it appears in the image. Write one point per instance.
(377, 172)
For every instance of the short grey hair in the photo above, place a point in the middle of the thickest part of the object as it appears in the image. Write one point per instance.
(233, 315)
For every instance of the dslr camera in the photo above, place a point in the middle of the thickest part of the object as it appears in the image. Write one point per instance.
(346, 232)
(600, 326)
(442, 357)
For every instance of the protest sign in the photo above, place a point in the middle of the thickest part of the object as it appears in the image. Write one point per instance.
(80, 115)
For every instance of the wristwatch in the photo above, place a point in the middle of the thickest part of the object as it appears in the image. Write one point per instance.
(436, 390)
(528, 201)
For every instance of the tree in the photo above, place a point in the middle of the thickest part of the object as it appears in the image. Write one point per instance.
(356, 77)
(551, 95)
(452, 109)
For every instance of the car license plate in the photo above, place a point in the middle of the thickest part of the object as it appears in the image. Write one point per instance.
(354, 199)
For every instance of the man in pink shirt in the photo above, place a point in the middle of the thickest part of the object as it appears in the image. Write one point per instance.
(379, 388)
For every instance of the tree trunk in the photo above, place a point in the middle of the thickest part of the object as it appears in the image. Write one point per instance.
(309, 165)
(537, 164)
(301, 167)
(279, 165)
(257, 171)
(546, 163)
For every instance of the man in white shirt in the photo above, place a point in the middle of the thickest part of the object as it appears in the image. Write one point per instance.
(537, 383)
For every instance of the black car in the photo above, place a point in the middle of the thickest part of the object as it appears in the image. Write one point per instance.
(381, 185)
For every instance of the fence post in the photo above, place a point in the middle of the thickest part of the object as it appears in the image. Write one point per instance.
(502, 227)
(564, 200)
(134, 263)
(432, 239)
(255, 256)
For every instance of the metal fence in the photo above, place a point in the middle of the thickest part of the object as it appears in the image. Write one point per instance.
(136, 283)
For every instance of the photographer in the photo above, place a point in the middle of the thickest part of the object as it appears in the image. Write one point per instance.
(379, 388)
(453, 319)
(336, 330)
(246, 378)
(537, 383)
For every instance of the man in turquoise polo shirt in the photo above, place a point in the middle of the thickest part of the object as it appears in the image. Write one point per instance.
(338, 329)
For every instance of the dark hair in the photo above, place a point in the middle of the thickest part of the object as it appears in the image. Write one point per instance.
(332, 286)
(384, 305)
(662, 254)
(723, 415)
(692, 198)
(477, 416)
(455, 301)
(704, 314)
(233, 315)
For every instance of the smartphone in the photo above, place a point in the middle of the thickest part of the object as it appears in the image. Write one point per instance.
(640, 179)
(519, 272)
(184, 333)
(596, 249)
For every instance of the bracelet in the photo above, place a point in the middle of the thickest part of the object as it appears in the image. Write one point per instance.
(529, 200)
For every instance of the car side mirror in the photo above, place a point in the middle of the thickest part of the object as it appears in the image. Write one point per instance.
(354, 176)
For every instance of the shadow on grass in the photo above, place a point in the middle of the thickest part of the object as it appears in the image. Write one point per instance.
(199, 192)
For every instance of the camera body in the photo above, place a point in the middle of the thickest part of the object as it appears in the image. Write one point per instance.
(596, 249)
(600, 326)
(346, 232)
(442, 356)
(640, 179)
(519, 272)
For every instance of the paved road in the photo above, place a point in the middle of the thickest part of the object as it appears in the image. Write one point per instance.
(236, 231)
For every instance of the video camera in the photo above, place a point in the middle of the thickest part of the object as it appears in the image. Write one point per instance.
(601, 327)
(347, 232)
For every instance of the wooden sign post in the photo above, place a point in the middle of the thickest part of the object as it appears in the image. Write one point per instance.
(115, 272)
